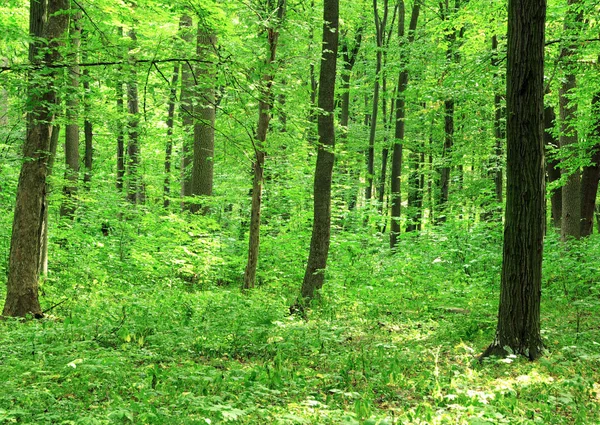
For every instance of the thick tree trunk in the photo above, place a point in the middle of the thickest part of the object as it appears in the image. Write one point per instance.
(68, 205)
(552, 165)
(26, 240)
(134, 193)
(395, 196)
(264, 116)
(590, 176)
(187, 113)
(319, 244)
(571, 190)
(204, 127)
(169, 144)
(518, 328)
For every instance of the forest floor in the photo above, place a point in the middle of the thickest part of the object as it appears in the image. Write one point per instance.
(393, 339)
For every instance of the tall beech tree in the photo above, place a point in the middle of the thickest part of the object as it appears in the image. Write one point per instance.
(47, 23)
(518, 328)
(67, 208)
(591, 174)
(399, 129)
(570, 226)
(314, 276)
(264, 117)
(204, 115)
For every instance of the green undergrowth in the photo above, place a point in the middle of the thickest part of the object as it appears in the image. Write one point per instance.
(145, 328)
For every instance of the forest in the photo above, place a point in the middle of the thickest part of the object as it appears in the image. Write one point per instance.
(299, 212)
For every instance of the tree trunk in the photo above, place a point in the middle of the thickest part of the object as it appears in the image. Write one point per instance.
(26, 240)
(169, 145)
(380, 26)
(264, 116)
(68, 205)
(187, 113)
(87, 125)
(552, 165)
(571, 191)
(134, 193)
(120, 129)
(319, 244)
(204, 127)
(518, 328)
(43, 266)
(395, 196)
(590, 176)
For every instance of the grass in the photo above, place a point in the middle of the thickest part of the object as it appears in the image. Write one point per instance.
(393, 339)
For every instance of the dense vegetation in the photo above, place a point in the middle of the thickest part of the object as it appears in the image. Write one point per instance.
(149, 313)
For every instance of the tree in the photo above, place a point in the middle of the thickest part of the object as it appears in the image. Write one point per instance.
(204, 115)
(591, 175)
(134, 192)
(187, 112)
(518, 329)
(67, 208)
(399, 129)
(47, 23)
(319, 244)
(264, 117)
(571, 190)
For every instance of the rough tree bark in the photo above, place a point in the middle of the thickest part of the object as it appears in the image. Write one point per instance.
(404, 41)
(186, 112)
(319, 244)
(591, 175)
(204, 126)
(264, 116)
(169, 144)
(552, 165)
(380, 26)
(518, 328)
(26, 241)
(68, 205)
(570, 226)
(134, 192)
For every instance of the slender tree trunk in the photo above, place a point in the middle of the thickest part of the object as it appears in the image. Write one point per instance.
(120, 136)
(88, 133)
(552, 165)
(120, 130)
(518, 328)
(134, 193)
(319, 243)
(43, 266)
(404, 40)
(169, 144)
(571, 191)
(26, 240)
(590, 176)
(204, 127)
(380, 27)
(68, 205)
(264, 116)
(187, 113)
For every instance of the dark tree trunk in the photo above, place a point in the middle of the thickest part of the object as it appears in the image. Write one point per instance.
(552, 165)
(319, 243)
(134, 193)
(169, 145)
(590, 176)
(120, 136)
(26, 240)
(187, 113)
(204, 127)
(88, 133)
(404, 41)
(264, 116)
(68, 205)
(518, 328)
(570, 223)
